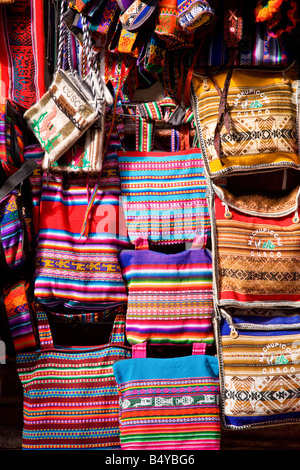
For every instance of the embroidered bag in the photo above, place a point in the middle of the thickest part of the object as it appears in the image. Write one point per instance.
(252, 126)
(163, 192)
(256, 244)
(169, 295)
(257, 49)
(169, 403)
(70, 393)
(69, 107)
(168, 27)
(259, 369)
(20, 315)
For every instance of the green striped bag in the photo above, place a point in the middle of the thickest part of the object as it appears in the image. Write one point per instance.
(70, 393)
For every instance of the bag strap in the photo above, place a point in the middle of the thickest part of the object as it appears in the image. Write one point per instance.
(18, 177)
(141, 244)
(139, 350)
(117, 335)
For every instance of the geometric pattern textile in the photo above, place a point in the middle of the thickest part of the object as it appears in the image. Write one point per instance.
(259, 360)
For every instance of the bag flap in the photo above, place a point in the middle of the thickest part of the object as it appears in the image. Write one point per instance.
(259, 204)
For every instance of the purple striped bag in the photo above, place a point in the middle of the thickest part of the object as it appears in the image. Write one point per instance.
(169, 295)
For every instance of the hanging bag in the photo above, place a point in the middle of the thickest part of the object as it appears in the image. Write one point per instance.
(19, 313)
(76, 269)
(259, 369)
(70, 393)
(69, 107)
(169, 403)
(256, 246)
(247, 120)
(169, 295)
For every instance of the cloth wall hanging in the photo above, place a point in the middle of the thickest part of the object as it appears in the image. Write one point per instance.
(23, 67)
(70, 393)
(169, 295)
(256, 245)
(169, 403)
(251, 126)
(259, 369)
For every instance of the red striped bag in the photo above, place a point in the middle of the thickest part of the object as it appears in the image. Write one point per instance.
(70, 392)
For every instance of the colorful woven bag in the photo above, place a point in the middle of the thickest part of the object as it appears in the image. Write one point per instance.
(70, 393)
(20, 314)
(74, 269)
(256, 244)
(169, 295)
(247, 122)
(259, 369)
(170, 403)
(163, 192)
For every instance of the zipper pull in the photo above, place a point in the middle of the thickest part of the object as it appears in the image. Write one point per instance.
(233, 333)
(227, 213)
(296, 218)
(206, 86)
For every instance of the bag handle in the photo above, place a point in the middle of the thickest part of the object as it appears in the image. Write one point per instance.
(117, 336)
(166, 110)
(139, 350)
(200, 241)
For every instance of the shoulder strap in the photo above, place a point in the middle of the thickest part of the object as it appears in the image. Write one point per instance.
(117, 335)
(44, 330)
(18, 177)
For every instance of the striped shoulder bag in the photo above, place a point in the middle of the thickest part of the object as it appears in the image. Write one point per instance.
(169, 403)
(163, 192)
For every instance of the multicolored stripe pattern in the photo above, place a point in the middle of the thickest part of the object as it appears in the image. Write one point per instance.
(169, 296)
(164, 195)
(169, 403)
(70, 395)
